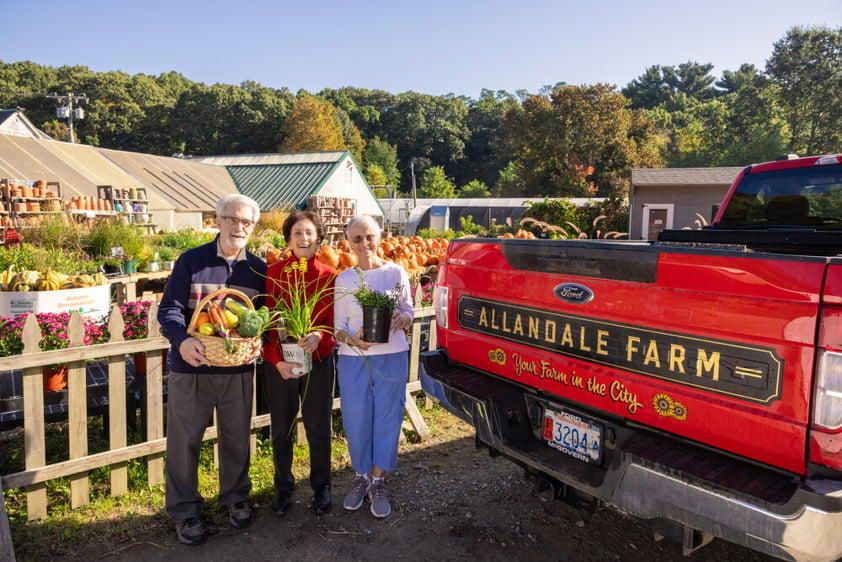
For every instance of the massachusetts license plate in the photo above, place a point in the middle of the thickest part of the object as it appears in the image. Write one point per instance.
(573, 434)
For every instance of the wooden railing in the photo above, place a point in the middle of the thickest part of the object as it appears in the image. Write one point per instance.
(153, 445)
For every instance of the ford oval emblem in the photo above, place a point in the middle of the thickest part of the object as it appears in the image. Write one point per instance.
(574, 293)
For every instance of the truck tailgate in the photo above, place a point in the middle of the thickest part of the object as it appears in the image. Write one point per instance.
(714, 345)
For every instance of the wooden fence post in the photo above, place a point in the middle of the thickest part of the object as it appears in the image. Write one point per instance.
(117, 405)
(77, 412)
(33, 421)
(7, 549)
(154, 400)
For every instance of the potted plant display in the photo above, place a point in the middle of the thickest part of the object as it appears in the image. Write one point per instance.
(135, 327)
(54, 335)
(378, 307)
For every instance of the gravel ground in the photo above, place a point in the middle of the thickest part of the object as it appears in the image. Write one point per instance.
(449, 502)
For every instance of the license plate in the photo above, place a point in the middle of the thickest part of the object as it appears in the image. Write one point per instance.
(574, 435)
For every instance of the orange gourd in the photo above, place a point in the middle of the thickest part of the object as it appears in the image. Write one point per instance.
(327, 255)
(347, 259)
(273, 255)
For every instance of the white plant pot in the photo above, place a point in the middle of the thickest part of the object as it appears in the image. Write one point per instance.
(293, 353)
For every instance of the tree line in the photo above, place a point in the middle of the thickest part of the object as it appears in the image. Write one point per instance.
(564, 141)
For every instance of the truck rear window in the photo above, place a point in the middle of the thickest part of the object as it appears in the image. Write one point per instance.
(800, 197)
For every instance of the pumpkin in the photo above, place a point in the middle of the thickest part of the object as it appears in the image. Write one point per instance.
(273, 255)
(347, 259)
(328, 256)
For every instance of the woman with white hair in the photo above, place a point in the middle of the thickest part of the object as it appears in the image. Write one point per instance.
(372, 376)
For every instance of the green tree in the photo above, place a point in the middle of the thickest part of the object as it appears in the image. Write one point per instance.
(695, 130)
(807, 66)
(581, 142)
(424, 126)
(436, 185)
(474, 189)
(354, 142)
(312, 126)
(485, 151)
(509, 182)
(756, 129)
(224, 119)
(657, 84)
(384, 156)
(374, 175)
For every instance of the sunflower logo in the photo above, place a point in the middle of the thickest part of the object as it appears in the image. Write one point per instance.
(679, 411)
(497, 356)
(663, 404)
(667, 407)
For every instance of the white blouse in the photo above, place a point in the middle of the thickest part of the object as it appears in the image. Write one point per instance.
(348, 314)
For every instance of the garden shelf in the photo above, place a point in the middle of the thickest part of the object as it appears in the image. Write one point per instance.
(132, 204)
(26, 202)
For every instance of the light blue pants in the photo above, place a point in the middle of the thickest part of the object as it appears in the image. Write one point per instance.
(373, 393)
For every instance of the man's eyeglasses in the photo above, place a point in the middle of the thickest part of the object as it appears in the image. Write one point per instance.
(234, 221)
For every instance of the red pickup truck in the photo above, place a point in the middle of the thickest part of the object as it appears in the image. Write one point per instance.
(694, 382)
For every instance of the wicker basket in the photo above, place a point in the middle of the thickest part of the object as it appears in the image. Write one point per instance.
(214, 345)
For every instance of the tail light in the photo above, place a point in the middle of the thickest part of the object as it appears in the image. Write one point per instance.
(826, 432)
(440, 300)
(827, 409)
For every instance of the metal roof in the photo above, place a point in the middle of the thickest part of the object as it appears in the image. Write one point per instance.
(273, 158)
(181, 184)
(280, 187)
(279, 181)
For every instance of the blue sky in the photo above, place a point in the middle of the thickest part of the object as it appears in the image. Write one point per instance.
(435, 47)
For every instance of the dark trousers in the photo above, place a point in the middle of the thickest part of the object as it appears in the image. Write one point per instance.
(190, 405)
(314, 393)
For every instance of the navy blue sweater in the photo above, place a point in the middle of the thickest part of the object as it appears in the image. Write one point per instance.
(197, 273)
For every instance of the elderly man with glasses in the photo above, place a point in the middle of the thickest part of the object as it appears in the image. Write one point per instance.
(196, 387)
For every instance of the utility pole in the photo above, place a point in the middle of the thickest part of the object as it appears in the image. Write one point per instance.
(68, 111)
(412, 170)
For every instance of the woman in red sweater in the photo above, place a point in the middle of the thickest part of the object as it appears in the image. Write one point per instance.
(286, 384)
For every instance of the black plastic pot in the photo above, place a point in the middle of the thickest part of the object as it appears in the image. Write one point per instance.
(376, 324)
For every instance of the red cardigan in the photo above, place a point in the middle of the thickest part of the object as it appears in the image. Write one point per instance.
(318, 275)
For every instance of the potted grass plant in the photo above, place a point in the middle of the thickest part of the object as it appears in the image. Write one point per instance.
(297, 312)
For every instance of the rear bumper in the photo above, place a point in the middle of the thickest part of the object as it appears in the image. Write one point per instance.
(772, 513)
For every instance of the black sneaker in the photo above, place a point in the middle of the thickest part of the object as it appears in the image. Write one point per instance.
(240, 515)
(321, 500)
(282, 502)
(190, 531)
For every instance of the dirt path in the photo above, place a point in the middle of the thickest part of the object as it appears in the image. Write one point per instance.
(449, 502)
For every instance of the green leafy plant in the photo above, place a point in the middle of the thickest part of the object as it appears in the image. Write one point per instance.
(27, 256)
(369, 297)
(166, 253)
(183, 239)
(297, 312)
(468, 226)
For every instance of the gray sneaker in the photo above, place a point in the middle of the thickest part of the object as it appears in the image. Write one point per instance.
(240, 515)
(354, 498)
(190, 531)
(377, 495)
